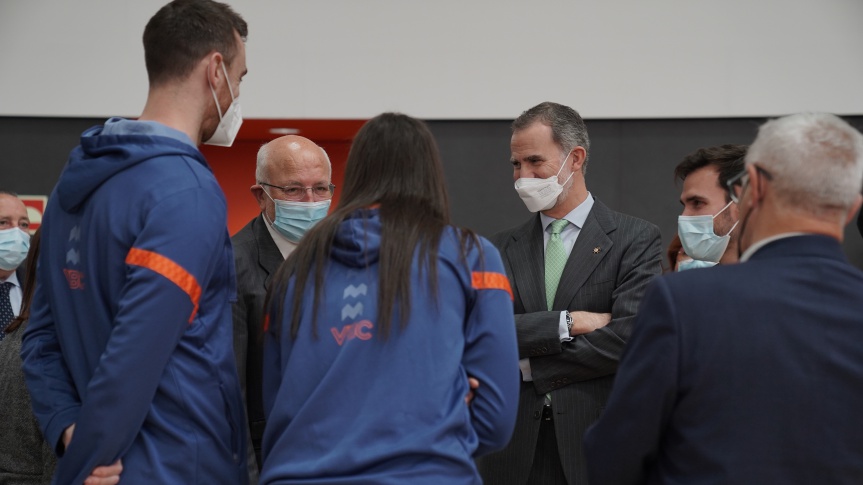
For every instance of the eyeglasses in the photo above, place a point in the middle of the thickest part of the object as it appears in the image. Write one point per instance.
(297, 192)
(737, 183)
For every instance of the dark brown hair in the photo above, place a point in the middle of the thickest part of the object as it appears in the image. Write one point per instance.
(728, 160)
(183, 32)
(29, 283)
(393, 164)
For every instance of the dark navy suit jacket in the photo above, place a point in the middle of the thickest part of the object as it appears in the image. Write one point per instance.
(742, 374)
(257, 258)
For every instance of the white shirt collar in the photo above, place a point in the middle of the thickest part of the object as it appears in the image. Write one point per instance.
(576, 216)
(285, 247)
(13, 278)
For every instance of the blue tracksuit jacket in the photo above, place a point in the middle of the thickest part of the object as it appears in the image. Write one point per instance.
(351, 407)
(130, 334)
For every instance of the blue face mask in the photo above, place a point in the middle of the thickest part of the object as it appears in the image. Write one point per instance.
(294, 219)
(694, 264)
(14, 244)
(698, 239)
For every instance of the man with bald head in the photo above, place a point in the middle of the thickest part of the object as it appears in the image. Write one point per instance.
(293, 190)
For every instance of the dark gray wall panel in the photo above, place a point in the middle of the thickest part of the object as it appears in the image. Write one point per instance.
(630, 169)
(35, 150)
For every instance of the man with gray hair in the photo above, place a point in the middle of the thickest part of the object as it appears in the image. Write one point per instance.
(751, 373)
(293, 190)
(578, 271)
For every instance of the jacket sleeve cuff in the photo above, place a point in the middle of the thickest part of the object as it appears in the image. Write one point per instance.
(56, 427)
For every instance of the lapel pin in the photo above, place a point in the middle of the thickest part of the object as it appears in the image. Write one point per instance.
(596, 250)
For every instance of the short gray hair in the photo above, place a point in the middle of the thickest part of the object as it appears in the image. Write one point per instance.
(816, 160)
(567, 128)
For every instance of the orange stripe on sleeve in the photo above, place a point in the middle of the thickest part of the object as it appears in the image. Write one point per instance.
(169, 269)
(491, 281)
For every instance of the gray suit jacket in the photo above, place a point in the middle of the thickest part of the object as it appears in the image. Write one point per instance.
(613, 259)
(257, 258)
(25, 457)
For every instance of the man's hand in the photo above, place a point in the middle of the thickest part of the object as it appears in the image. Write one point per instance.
(105, 475)
(473, 385)
(101, 475)
(67, 435)
(584, 322)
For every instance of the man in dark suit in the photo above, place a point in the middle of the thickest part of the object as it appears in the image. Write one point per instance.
(293, 190)
(14, 244)
(577, 271)
(750, 373)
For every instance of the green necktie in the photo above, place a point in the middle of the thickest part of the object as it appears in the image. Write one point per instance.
(555, 260)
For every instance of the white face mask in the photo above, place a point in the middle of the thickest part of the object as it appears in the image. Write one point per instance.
(698, 239)
(229, 123)
(541, 194)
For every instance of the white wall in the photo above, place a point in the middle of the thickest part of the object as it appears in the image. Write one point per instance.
(460, 59)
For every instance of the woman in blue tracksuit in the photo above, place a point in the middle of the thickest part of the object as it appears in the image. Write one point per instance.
(376, 323)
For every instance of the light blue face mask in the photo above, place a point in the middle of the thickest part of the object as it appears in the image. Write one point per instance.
(14, 244)
(294, 219)
(694, 264)
(698, 239)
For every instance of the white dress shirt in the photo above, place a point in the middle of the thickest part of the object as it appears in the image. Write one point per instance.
(285, 247)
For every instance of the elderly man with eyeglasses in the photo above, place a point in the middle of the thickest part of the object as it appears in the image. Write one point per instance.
(293, 190)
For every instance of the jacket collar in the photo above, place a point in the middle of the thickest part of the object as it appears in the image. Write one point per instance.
(591, 247)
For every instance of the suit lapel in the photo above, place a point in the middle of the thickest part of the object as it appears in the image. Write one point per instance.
(269, 256)
(527, 259)
(591, 247)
